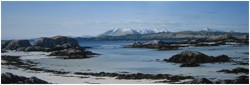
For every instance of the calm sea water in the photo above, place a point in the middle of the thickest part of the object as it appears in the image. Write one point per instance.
(115, 58)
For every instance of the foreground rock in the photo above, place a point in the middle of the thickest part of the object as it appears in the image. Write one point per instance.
(238, 80)
(14, 44)
(236, 70)
(155, 44)
(201, 81)
(194, 58)
(9, 78)
(135, 76)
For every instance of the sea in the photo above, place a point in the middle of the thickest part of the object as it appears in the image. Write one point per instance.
(115, 58)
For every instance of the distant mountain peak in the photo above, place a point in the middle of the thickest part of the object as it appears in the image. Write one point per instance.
(209, 30)
(161, 30)
(126, 31)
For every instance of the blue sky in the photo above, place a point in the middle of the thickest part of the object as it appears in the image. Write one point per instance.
(22, 20)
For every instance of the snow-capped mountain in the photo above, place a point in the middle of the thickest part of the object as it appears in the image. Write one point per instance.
(120, 31)
(153, 31)
(126, 31)
(209, 30)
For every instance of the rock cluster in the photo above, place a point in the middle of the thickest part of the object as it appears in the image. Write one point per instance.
(238, 80)
(193, 58)
(155, 44)
(201, 81)
(65, 47)
(72, 53)
(9, 78)
(236, 70)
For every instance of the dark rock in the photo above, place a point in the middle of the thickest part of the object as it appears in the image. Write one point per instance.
(34, 48)
(55, 41)
(9, 78)
(72, 53)
(195, 57)
(241, 63)
(155, 44)
(201, 81)
(15, 44)
(221, 58)
(242, 80)
(189, 57)
(33, 80)
(189, 65)
(236, 70)
(4, 43)
(3, 51)
(238, 80)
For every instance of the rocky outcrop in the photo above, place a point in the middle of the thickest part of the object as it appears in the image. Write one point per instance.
(225, 37)
(190, 57)
(56, 41)
(35, 48)
(238, 80)
(236, 70)
(201, 81)
(72, 53)
(15, 44)
(217, 43)
(9, 78)
(193, 58)
(61, 46)
(155, 44)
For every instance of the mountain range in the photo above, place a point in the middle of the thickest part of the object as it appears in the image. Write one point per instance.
(126, 31)
(162, 34)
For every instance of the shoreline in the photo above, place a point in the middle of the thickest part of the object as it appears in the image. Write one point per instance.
(71, 49)
(105, 76)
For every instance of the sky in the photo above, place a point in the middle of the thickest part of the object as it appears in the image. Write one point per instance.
(22, 20)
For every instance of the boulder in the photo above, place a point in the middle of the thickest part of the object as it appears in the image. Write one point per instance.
(15, 44)
(238, 80)
(201, 81)
(9, 78)
(242, 80)
(236, 70)
(72, 53)
(195, 57)
(33, 80)
(221, 58)
(189, 57)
